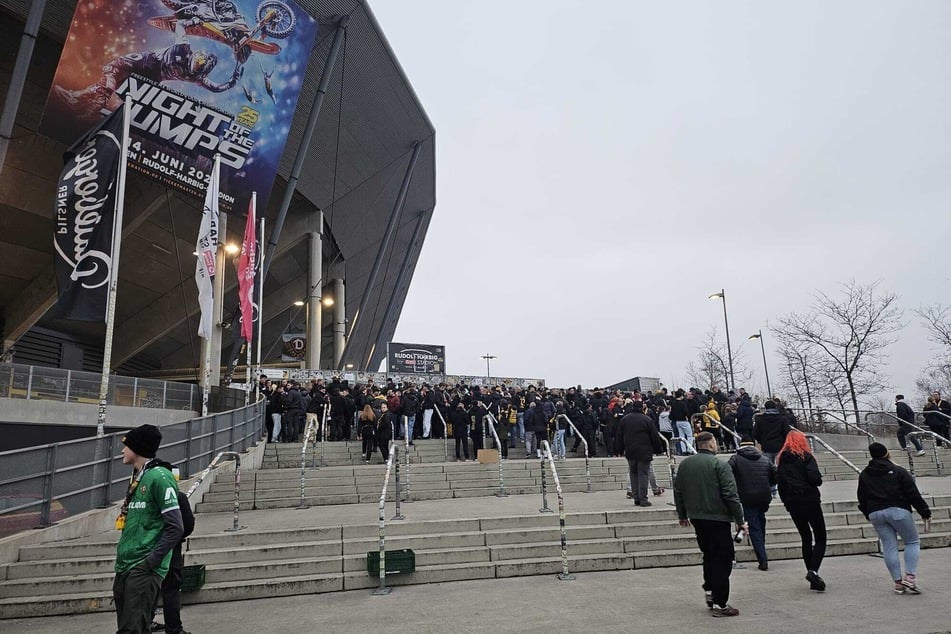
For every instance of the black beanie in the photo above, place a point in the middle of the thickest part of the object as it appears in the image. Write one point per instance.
(877, 450)
(144, 440)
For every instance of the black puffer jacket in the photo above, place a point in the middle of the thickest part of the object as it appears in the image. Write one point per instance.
(770, 430)
(884, 484)
(798, 478)
(755, 475)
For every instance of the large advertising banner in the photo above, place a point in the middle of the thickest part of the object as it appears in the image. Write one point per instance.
(415, 358)
(206, 77)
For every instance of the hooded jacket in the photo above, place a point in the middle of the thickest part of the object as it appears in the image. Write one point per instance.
(755, 475)
(770, 430)
(883, 484)
(639, 437)
(798, 478)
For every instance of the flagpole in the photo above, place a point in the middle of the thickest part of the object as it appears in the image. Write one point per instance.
(260, 298)
(114, 272)
(206, 342)
(247, 344)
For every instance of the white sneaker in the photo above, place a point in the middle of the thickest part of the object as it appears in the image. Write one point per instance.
(921, 452)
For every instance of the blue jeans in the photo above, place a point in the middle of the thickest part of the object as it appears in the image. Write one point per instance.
(558, 444)
(408, 429)
(521, 425)
(889, 524)
(756, 518)
(685, 434)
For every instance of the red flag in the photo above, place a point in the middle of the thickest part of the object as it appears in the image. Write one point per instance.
(246, 270)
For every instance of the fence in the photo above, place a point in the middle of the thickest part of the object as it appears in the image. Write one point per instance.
(73, 386)
(41, 485)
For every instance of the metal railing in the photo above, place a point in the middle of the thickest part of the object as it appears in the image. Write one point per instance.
(720, 425)
(71, 477)
(445, 433)
(408, 438)
(74, 386)
(546, 455)
(498, 443)
(587, 461)
(849, 425)
(237, 483)
(382, 589)
(311, 428)
(934, 446)
(671, 462)
(815, 439)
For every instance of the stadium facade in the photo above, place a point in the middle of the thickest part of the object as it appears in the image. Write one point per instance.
(370, 167)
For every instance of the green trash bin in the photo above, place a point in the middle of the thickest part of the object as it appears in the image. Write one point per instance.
(397, 562)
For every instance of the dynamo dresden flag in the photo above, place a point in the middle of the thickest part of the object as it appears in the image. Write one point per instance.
(246, 270)
(207, 248)
(86, 197)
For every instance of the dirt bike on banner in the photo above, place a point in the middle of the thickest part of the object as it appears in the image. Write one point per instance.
(220, 20)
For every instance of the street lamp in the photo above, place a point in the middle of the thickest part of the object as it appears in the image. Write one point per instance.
(488, 357)
(759, 335)
(726, 324)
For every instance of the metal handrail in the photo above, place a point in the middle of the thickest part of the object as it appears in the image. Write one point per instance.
(900, 421)
(587, 462)
(546, 453)
(445, 432)
(308, 430)
(324, 418)
(934, 446)
(382, 589)
(671, 463)
(80, 473)
(498, 443)
(408, 438)
(932, 411)
(833, 451)
(846, 423)
(237, 483)
(723, 427)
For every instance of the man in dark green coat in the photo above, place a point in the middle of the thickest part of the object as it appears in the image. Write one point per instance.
(706, 497)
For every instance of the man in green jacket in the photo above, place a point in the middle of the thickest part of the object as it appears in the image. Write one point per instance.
(706, 497)
(151, 525)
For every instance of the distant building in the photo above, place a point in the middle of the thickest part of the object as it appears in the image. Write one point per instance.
(640, 383)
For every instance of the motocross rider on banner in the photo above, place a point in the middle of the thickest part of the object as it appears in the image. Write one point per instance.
(178, 62)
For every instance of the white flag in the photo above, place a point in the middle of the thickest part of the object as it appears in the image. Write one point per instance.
(206, 249)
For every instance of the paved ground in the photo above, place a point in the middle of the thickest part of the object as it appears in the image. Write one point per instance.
(859, 598)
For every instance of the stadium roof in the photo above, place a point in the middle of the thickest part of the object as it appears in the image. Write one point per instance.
(370, 120)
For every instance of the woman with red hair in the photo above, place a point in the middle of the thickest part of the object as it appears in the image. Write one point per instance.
(799, 480)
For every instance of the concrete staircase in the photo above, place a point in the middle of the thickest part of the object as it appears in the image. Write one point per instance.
(76, 576)
(468, 539)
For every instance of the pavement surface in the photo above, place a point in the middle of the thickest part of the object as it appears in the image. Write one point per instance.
(859, 596)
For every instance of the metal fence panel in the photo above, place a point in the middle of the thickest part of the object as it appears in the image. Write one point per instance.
(42, 485)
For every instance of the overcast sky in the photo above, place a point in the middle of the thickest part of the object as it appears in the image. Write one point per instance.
(603, 167)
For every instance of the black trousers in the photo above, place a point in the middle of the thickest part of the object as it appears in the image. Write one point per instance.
(172, 593)
(902, 441)
(463, 444)
(135, 592)
(716, 544)
(369, 443)
(811, 524)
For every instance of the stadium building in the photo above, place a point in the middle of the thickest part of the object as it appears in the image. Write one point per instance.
(349, 243)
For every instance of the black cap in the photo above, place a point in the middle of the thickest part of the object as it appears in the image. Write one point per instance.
(877, 450)
(144, 440)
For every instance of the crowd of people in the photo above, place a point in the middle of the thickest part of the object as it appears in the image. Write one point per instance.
(376, 414)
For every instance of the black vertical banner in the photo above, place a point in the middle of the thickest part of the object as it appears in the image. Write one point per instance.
(85, 214)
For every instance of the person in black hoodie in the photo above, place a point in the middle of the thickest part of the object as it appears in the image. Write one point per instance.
(459, 420)
(172, 584)
(799, 480)
(640, 440)
(886, 494)
(770, 430)
(755, 475)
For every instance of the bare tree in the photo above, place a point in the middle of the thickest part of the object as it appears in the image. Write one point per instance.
(936, 375)
(798, 371)
(852, 332)
(711, 368)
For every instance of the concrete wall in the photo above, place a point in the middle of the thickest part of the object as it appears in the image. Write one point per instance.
(20, 410)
